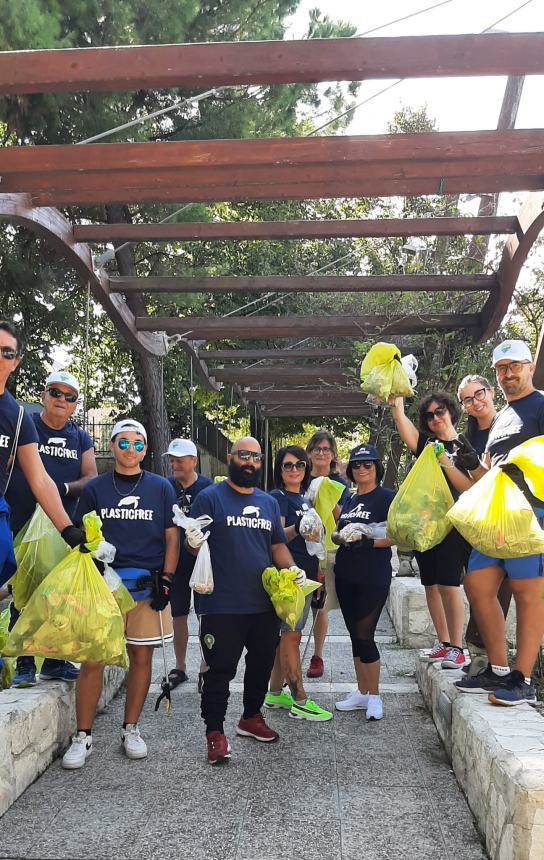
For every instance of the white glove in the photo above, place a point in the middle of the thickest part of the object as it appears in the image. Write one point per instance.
(195, 537)
(301, 577)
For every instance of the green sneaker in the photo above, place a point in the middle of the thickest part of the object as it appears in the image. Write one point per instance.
(283, 700)
(310, 711)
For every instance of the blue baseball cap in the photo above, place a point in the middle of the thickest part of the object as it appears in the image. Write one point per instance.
(364, 452)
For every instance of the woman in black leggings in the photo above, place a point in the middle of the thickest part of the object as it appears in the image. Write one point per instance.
(363, 575)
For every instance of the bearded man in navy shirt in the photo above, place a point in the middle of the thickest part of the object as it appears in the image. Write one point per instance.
(245, 537)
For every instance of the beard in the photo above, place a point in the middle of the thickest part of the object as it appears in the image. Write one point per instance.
(245, 475)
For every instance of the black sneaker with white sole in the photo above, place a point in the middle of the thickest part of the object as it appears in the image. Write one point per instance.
(484, 682)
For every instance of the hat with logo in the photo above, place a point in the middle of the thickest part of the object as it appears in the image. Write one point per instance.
(181, 448)
(128, 425)
(514, 350)
(64, 378)
(362, 454)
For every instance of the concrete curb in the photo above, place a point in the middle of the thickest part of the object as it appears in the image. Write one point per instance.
(497, 755)
(35, 726)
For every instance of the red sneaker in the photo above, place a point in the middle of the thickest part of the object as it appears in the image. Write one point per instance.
(437, 653)
(454, 659)
(255, 727)
(218, 748)
(316, 667)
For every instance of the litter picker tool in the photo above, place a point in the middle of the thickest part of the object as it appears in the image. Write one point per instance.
(166, 693)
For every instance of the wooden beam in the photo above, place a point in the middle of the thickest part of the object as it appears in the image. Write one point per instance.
(305, 284)
(275, 354)
(302, 375)
(325, 410)
(268, 327)
(282, 168)
(514, 255)
(199, 365)
(271, 62)
(308, 397)
(52, 226)
(326, 229)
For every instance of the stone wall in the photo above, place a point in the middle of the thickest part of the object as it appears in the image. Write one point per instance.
(35, 726)
(497, 755)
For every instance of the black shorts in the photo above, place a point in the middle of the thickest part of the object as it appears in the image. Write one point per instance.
(445, 563)
(180, 594)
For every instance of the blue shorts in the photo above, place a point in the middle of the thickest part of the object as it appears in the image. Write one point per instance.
(526, 567)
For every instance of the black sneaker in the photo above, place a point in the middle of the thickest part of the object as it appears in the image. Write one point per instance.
(484, 682)
(516, 691)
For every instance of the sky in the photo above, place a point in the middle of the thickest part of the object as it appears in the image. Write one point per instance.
(455, 103)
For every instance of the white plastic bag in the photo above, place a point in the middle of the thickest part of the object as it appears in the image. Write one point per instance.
(372, 530)
(185, 522)
(313, 531)
(410, 364)
(201, 579)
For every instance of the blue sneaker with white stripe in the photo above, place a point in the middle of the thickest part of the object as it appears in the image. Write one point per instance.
(515, 691)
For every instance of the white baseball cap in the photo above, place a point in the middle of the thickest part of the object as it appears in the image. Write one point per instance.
(64, 378)
(181, 448)
(128, 425)
(515, 350)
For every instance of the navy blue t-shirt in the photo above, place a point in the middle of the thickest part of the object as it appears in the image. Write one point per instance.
(61, 452)
(292, 506)
(354, 563)
(244, 528)
(9, 414)
(516, 422)
(478, 439)
(135, 521)
(185, 498)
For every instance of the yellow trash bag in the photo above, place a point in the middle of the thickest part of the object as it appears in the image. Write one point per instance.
(417, 516)
(72, 614)
(496, 519)
(324, 494)
(7, 666)
(529, 457)
(382, 374)
(39, 550)
(287, 598)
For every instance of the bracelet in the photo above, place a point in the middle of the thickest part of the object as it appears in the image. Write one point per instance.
(447, 465)
(66, 489)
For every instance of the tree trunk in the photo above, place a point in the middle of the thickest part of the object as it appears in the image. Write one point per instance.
(148, 367)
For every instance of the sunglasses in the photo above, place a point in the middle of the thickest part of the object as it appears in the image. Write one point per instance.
(362, 464)
(438, 413)
(246, 456)
(125, 444)
(8, 353)
(56, 393)
(290, 467)
(479, 394)
(322, 450)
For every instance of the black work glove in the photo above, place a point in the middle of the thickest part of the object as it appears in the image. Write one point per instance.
(160, 594)
(465, 455)
(74, 536)
(516, 475)
(364, 543)
(100, 566)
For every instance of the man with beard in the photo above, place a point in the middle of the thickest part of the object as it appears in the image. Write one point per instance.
(245, 537)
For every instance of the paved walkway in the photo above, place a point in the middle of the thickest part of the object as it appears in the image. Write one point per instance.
(333, 791)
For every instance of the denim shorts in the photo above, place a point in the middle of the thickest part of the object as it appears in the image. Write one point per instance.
(525, 567)
(301, 623)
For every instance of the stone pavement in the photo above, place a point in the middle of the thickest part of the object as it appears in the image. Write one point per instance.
(332, 791)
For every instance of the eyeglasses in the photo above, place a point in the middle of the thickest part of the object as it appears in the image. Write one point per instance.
(512, 367)
(362, 464)
(479, 394)
(246, 456)
(56, 393)
(125, 444)
(321, 450)
(290, 466)
(438, 413)
(8, 353)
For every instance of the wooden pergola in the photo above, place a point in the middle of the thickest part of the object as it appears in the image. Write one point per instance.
(35, 180)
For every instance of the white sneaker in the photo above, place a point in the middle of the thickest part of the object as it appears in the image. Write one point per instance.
(134, 746)
(374, 710)
(354, 701)
(78, 752)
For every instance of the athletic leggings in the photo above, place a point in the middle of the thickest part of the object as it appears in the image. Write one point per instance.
(223, 639)
(361, 606)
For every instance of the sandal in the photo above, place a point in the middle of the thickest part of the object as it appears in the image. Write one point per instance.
(176, 677)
